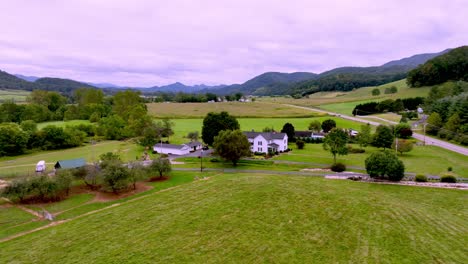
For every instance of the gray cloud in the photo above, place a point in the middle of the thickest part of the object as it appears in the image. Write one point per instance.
(144, 43)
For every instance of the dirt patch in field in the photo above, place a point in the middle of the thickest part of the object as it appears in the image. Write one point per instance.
(109, 196)
(158, 179)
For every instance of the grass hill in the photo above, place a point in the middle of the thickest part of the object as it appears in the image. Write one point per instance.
(252, 218)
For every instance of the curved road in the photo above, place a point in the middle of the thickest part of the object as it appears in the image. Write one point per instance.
(426, 140)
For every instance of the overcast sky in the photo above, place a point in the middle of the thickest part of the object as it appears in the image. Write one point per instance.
(149, 42)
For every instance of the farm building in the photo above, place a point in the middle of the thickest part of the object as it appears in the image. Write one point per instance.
(172, 149)
(194, 145)
(70, 164)
(267, 141)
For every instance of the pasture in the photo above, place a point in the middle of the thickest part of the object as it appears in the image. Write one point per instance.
(183, 126)
(237, 109)
(429, 160)
(62, 123)
(25, 165)
(362, 94)
(249, 218)
(17, 96)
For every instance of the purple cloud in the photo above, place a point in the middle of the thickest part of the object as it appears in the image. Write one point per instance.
(145, 43)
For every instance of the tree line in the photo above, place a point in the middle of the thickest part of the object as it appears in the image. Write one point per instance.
(388, 105)
(450, 66)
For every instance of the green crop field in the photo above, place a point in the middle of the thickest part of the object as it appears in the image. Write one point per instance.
(183, 126)
(15, 95)
(248, 218)
(26, 164)
(428, 160)
(63, 123)
(237, 109)
(361, 94)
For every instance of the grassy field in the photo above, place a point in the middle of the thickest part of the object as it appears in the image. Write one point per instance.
(422, 159)
(183, 126)
(13, 220)
(237, 109)
(63, 123)
(240, 218)
(362, 94)
(26, 164)
(15, 95)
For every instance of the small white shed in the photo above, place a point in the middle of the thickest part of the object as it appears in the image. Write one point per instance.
(172, 149)
(41, 166)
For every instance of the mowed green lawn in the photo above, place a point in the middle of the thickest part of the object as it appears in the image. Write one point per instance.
(183, 126)
(428, 160)
(239, 218)
(25, 165)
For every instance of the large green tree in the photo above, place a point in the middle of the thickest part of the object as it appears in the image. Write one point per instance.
(328, 125)
(383, 137)
(364, 137)
(385, 165)
(335, 142)
(434, 123)
(232, 145)
(213, 123)
(13, 140)
(288, 128)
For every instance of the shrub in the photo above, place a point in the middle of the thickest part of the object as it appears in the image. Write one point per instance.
(355, 150)
(300, 144)
(449, 169)
(448, 178)
(338, 167)
(420, 178)
(385, 165)
(214, 160)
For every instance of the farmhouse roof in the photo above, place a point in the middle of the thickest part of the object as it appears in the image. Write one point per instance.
(193, 144)
(170, 146)
(70, 164)
(273, 145)
(302, 133)
(266, 135)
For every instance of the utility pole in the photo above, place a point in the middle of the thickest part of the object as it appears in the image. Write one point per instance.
(424, 128)
(201, 161)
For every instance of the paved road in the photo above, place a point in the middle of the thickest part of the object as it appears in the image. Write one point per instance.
(426, 140)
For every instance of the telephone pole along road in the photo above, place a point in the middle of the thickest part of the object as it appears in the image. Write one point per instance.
(426, 140)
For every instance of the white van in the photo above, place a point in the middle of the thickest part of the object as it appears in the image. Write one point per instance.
(41, 166)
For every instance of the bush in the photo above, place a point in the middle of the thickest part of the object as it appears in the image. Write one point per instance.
(420, 178)
(355, 150)
(449, 169)
(214, 160)
(385, 165)
(338, 167)
(300, 144)
(448, 178)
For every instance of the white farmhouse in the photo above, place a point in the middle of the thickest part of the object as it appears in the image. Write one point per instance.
(172, 149)
(267, 141)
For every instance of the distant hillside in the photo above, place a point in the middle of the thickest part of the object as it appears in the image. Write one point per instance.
(449, 66)
(269, 83)
(415, 60)
(27, 78)
(9, 81)
(339, 79)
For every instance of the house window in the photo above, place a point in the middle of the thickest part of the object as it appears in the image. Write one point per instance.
(259, 143)
(259, 149)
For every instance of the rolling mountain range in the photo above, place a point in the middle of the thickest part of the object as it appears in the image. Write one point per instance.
(269, 83)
